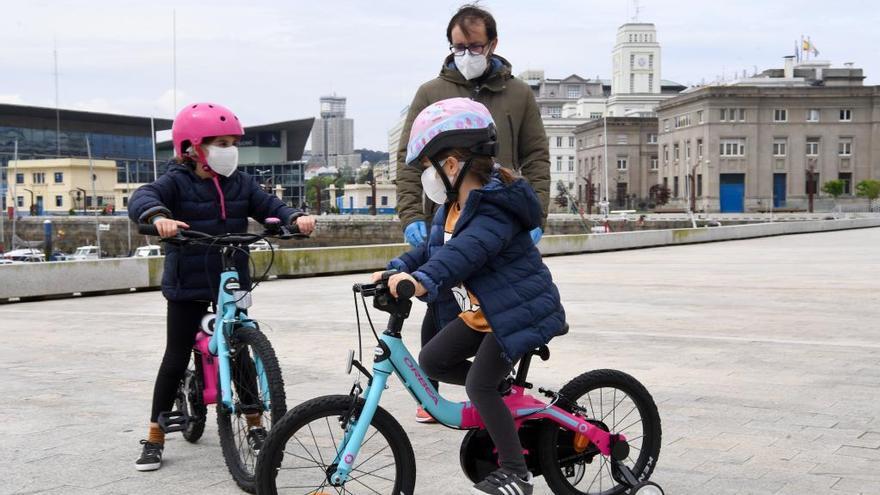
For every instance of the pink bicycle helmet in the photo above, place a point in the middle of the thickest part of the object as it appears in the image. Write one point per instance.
(451, 123)
(198, 121)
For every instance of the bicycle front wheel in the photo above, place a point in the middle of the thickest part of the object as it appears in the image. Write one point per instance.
(299, 454)
(258, 402)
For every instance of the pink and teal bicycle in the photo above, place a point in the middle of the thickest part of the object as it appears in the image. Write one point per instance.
(599, 434)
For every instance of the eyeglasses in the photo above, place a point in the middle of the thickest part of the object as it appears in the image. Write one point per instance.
(473, 48)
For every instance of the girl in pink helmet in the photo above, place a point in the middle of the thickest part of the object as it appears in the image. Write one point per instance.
(201, 190)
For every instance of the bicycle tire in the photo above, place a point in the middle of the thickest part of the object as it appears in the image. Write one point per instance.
(189, 400)
(553, 439)
(332, 407)
(240, 462)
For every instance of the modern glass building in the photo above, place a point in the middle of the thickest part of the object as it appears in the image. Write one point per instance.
(125, 139)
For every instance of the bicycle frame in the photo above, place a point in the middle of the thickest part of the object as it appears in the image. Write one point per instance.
(392, 356)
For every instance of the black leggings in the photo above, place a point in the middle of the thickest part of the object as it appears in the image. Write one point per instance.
(182, 327)
(445, 358)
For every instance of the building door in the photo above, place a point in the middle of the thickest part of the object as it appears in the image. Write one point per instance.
(733, 188)
(778, 190)
(621, 194)
(39, 205)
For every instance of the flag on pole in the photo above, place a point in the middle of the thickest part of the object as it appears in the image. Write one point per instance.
(813, 48)
(797, 52)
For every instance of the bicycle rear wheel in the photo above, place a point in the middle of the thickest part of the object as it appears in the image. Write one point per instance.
(257, 397)
(298, 456)
(190, 402)
(615, 402)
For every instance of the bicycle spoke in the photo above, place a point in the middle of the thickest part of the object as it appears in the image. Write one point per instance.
(365, 486)
(374, 455)
(332, 437)
(316, 463)
(594, 481)
(615, 407)
(308, 452)
(614, 428)
(370, 473)
(316, 443)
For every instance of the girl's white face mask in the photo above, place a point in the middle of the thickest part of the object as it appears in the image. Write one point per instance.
(433, 185)
(224, 161)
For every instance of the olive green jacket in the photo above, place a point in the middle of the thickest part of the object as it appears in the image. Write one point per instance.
(522, 142)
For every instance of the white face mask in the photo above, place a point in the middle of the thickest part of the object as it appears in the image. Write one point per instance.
(471, 66)
(433, 185)
(222, 160)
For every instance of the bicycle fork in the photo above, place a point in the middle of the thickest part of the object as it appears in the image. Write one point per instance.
(354, 436)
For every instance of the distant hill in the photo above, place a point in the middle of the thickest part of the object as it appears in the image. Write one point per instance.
(372, 156)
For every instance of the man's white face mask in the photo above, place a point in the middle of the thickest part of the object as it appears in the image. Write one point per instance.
(471, 66)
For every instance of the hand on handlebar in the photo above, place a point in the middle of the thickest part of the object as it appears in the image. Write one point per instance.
(305, 224)
(168, 227)
(397, 278)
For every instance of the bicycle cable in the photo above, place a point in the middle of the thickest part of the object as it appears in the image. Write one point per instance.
(357, 316)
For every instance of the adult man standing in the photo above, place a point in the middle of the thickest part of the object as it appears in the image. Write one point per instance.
(473, 70)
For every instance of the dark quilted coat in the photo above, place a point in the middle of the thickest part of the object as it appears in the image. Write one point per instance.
(492, 253)
(192, 272)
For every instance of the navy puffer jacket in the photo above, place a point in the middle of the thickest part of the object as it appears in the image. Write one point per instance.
(492, 253)
(192, 272)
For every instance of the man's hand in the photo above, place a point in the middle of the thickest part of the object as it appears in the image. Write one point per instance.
(415, 233)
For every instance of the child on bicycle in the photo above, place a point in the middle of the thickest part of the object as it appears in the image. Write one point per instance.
(201, 189)
(491, 294)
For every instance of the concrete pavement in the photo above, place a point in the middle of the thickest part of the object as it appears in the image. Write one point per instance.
(763, 356)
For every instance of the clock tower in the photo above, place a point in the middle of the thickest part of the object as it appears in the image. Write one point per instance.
(636, 61)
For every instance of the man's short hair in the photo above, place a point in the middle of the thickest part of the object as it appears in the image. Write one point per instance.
(467, 15)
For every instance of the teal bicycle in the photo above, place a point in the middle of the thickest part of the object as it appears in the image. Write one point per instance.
(600, 434)
(234, 365)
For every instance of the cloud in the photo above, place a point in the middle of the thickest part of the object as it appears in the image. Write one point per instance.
(12, 99)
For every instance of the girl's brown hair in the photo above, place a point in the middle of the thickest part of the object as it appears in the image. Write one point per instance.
(481, 166)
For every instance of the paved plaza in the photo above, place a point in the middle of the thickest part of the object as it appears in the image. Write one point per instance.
(762, 355)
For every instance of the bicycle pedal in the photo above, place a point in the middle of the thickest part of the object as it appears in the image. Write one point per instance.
(173, 421)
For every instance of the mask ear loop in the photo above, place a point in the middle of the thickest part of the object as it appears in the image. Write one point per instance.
(459, 179)
(451, 194)
(214, 178)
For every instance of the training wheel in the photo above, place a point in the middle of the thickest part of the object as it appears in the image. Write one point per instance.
(646, 488)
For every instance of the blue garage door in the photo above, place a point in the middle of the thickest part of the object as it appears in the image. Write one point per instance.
(733, 188)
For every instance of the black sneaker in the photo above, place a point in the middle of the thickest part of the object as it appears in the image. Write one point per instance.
(504, 482)
(151, 457)
(255, 438)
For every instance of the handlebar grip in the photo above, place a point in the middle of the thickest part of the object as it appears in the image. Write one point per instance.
(147, 229)
(405, 290)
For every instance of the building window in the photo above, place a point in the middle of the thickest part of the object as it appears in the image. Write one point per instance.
(844, 147)
(700, 148)
(675, 187)
(571, 141)
(559, 164)
(687, 150)
(20, 201)
(700, 116)
(846, 177)
(19, 178)
(384, 201)
(733, 147)
(125, 201)
(675, 152)
(722, 115)
(845, 115)
(100, 200)
(59, 201)
(780, 115)
(813, 115)
(555, 111)
(621, 163)
(652, 139)
(700, 185)
(622, 139)
(666, 125)
(632, 83)
(559, 141)
(742, 114)
(571, 164)
(59, 177)
(632, 61)
(651, 61)
(39, 177)
(812, 146)
(580, 143)
(574, 91)
(665, 153)
(654, 164)
(779, 146)
(595, 115)
(651, 82)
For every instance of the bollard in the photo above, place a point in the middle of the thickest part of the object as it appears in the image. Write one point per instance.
(47, 238)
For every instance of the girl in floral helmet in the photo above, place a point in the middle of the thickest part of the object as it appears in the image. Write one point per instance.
(491, 295)
(201, 190)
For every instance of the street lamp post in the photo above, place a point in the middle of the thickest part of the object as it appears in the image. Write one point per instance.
(32, 208)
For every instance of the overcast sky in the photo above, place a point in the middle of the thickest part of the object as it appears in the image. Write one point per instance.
(272, 60)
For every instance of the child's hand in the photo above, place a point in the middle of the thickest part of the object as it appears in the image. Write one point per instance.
(168, 227)
(376, 276)
(396, 279)
(305, 224)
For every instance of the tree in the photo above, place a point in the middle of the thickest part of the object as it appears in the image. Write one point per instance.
(659, 194)
(312, 187)
(868, 188)
(834, 188)
(562, 195)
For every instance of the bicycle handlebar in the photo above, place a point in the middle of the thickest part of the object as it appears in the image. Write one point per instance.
(405, 289)
(282, 232)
